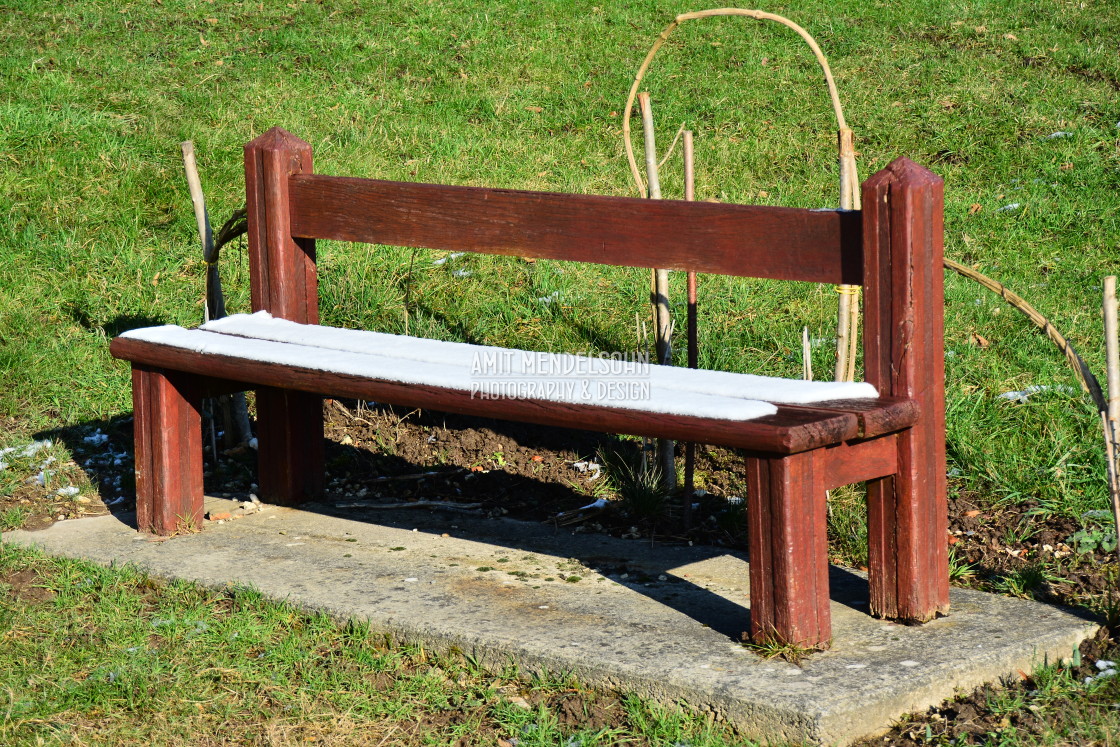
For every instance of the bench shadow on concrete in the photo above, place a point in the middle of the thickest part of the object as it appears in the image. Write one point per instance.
(642, 559)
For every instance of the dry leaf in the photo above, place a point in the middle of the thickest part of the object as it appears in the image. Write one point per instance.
(981, 29)
(978, 340)
(202, 41)
(536, 458)
(535, 109)
(953, 539)
(971, 513)
(212, 21)
(1012, 37)
(975, 208)
(1066, 167)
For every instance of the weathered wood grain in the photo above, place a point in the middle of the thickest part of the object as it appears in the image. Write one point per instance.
(284, 282)
(788, 551)
(167, 427)
(755, 241)
(791, 430)
(282, 274)
(904, 357)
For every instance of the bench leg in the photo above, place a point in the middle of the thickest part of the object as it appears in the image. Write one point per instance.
(289, 446)
(788, 551)
(908, 560)
(167, 424)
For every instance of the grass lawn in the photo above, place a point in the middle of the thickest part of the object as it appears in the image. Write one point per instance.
(1014, 104)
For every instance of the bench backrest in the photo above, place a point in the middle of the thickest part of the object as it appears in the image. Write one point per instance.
(893, 247)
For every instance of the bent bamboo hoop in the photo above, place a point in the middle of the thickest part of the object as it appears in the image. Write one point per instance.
(848, 313)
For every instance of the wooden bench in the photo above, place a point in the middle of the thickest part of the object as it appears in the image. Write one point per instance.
(795, 450)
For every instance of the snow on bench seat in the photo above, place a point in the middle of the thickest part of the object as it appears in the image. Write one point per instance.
(262, 326)
(493, 371)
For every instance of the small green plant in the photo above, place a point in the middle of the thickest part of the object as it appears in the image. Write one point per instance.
(1024, 581)
(959, 570)
(13, 518)
(769, 647)
(499, 458)
(640, 491)
(1091, 539)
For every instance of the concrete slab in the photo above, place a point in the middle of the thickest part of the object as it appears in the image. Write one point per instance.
(662, 621)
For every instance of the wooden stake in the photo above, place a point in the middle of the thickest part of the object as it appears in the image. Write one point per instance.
(660, 287)
(234, 410)
(693, 341)
(215, 301)
(847, 317)
(806, 355)
(1112, 417)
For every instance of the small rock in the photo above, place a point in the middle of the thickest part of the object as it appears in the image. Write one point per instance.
(520, 702)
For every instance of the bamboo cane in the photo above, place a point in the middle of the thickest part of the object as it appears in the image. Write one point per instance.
(693, 341)
(848, 309)
(847, 317)
(1112, 418)
(235, 412)
(214, 306)
(660, 288)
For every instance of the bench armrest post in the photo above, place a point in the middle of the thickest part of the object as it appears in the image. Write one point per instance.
(904, 356)
(285, 284)
(281, 267)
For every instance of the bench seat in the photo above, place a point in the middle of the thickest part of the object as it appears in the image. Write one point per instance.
(787, 415)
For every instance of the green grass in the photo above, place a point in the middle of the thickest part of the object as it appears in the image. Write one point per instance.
(97, 235)
(110, 656)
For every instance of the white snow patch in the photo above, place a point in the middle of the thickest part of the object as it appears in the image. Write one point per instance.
(96, 438)
(1023, 395)
(261, 326)
(27, 451)
(72, 490)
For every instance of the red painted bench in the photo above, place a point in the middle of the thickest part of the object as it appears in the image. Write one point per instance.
(894, 441)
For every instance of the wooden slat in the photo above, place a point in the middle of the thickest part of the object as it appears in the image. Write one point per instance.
(875, 416)
(859, 461)
(745, 240)
(791, 430)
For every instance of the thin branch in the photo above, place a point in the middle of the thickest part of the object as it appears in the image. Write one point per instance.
(672, 147)
(1089, 382)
